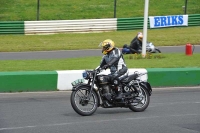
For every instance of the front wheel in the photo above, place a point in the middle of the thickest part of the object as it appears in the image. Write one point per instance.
(83, 104)
(143, 103)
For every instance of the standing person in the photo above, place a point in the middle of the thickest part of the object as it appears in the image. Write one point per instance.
(113, 59)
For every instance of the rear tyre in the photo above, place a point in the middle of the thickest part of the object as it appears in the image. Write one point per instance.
(157, 51)
(143, 103)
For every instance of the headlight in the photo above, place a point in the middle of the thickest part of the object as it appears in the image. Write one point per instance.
(87, 74)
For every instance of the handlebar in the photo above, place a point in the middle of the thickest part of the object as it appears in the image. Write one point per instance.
(98, 70)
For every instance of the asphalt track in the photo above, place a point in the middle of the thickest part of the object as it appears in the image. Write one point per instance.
(171, 110)
(77, 53)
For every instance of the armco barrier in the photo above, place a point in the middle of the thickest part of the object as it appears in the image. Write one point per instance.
(61, 80)
(64, 26)
(159, 77)
(12, 27)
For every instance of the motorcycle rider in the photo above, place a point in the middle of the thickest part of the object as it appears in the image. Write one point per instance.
(113, 59)
(136, 44)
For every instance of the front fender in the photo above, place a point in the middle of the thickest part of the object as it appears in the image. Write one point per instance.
(147, 86)
(79, 85)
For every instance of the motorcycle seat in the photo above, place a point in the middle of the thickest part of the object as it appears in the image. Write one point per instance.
(123, 77)
(129, 78)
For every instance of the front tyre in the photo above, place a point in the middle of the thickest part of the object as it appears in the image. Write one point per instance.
(142, 104)
(80, 102)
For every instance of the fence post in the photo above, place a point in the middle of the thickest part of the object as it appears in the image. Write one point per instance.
(185, 7)
(115, 6)
(38, 9)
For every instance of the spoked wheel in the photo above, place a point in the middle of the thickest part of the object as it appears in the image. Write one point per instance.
(157, 51)
(141, 102)
(83, 104)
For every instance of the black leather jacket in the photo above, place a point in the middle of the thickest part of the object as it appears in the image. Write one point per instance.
(136, 44)
(115, 61)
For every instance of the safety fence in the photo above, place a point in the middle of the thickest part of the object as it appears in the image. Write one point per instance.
(85, 25)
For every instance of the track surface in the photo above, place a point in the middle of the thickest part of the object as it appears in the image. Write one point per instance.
(76, 53)
(171, 110)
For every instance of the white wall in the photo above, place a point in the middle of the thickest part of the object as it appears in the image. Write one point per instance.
(65, 77)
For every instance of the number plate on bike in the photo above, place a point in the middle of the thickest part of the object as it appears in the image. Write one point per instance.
(78, 81)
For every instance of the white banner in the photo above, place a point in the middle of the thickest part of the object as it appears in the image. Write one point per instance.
(167, 21)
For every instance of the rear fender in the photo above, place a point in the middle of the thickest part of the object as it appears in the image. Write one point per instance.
(75, 88)
(147, 86)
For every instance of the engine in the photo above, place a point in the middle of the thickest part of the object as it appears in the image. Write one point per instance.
(103, 81)
(105, 87)
(106, 92)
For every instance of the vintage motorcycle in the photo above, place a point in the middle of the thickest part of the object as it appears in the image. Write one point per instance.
(150, 48)
(85, 98)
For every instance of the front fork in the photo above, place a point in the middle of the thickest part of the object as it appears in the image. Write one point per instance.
(92, 86)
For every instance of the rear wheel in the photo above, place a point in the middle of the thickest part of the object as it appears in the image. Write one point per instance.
(82, 104)
(142, 103)
(157, 51)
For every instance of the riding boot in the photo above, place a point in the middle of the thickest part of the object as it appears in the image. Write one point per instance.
(119, 93)
(105, 104)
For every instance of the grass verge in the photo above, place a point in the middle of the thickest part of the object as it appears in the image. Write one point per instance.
(167, 61)
(160, 37)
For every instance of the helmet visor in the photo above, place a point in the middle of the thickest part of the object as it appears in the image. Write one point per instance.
(104, 47)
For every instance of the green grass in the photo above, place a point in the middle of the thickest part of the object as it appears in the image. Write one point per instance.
(160, 37)
(26, 10)
(169, 61)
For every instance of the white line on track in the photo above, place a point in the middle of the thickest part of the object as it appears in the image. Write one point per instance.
(173, 103)
(99, 121)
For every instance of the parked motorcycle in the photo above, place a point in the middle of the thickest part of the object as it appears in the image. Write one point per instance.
(150, 48)
(85, 98)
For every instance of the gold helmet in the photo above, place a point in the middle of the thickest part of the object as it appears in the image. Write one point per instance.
(140, 36)
(107, 45)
